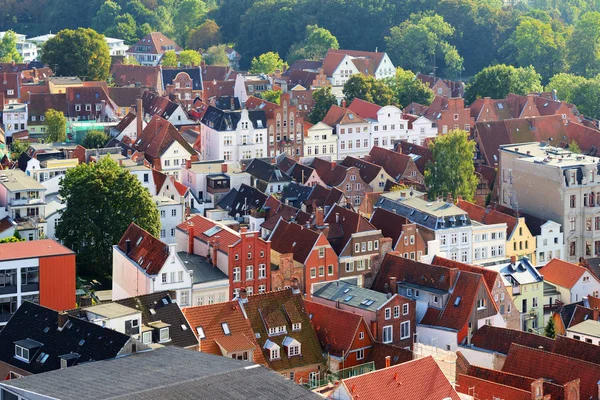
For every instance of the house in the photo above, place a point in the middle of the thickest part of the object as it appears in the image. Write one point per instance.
(142, 76)
(442, 87)
(450, 303)
(391, 319)
(320, 140)
(218, 377)
(274, 210)
(417, 379)
(214, 89)
(588, 330)
(344, 335)
(244, 258)
(554, 184)
(372, 174)
(87, 103)
(41, 271)
(267, 177)
(347, 180)
(128, 126)
(399, 167)
(150, 49)
(233, 135)
(295, 194)
(386, 124)
(527, 290)
(223, 329)
(10, 87)
(305, 175)
(283, 331)
(420, 154)
(125, 98)
(420, 129)
(405, 235)
(567, 315)
(249, 85)
(116, 47)
(39, 103)
(183, 83)
(449, 114)
(238, 203)
(164, 107)
(300, 253)
(14, 118)
(38, 339)
(351, 130)
(339, 65)
(573, 282)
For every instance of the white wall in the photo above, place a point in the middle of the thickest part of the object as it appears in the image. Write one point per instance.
(127, 279)
(437, 337)
(479, 357)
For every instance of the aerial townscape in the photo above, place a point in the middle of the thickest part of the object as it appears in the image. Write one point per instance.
(291, 199)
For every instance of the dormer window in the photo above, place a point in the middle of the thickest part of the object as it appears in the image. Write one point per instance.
(293, 346)
(273, 349)
(296, 326)
(277, 330)
(201, 333)
(147, 337)
(21, 353)
(164, 335)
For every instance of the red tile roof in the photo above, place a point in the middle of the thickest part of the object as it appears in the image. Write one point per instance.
(560, 369)
(125, 96)
(145, 76)
(202, 224)
(289, 237)
(390, 224)
(488, 216)
(32, 249)
(576, 349)
(338, 115)
(157, 42)
(210, 318)
(498, 339)
(416, 379)
(6, 223)
(489, 275)
(340, 231)
(216, 89)
(425, 155)
(562, 273)
(484, 389)
(335, 328)
(158, 136)
(365, 61)
(145, 250)
(393, 163)
(398, 355)
(39, 103)
(587, 138)
(364, 109)
(330, 173)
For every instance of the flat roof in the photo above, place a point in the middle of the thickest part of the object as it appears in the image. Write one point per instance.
(541, 153)
(203, 270)
(433, 207)
(32, 249)
(111, 310)
(588, 327)
(15, 180)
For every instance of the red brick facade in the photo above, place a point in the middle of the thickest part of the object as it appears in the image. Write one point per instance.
(251, 259)
(182, 88)
(455, 116)
(395, 309)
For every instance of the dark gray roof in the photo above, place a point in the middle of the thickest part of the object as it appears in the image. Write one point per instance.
(168, 74)
(295, 194)
(246, 198)
(351, 295)
(224, 103)
(33, 323)
(266, 172)
(165, 374)
(203, 270)
(224, 121)
(422, 218)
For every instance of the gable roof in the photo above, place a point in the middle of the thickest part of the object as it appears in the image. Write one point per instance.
(577, 349)
(266, 172)
(36, 327)
(342, 224)
(211, 317)
(397, 354)
(169, 74)
(416, 379)
(300, 172)
(158, 136)
(125, 96)
(338, 116)
(421, 155)
(499, 339)
(142, 75)
(351, 295)
(488, 216)
(155, 43)
(390, 224)
(392, 162)
(295, 194)
(39, 103)
(364, 109)
(203, 225)
(489, 275)
(242, 200)
(161, 106)
(563, 273)
(367, 170)
(289, 237)
(330, 173)
(366, 62)
(145, 250)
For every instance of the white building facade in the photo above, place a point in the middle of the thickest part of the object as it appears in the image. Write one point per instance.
(320, 141)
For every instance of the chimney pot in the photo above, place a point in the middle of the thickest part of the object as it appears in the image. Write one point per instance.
(191, 238)
(388, 361)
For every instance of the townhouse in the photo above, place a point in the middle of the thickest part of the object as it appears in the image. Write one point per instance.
(185, 84)
(348, 180)
(572, 282)
(406, 239)
(399, 167)
(442, 87)
(142, 76)
(249, 85)
(420, 129)
(150, 49)
(447, 113)
(174, 112)
(14, 118)
(339, 65)
(372, 174)
(320, 140)
(351, 130)
(274, 211)
(267, 177)
(386, 124)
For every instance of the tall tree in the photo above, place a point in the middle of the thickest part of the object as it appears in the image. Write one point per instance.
(8, 48)
(92, 193)
(169, 59)
(369, 89)
(216, 55)
(267, 63)
(56, 126)
(189, 58)
(408, 89)
(130, 60)
(105, 16)
(498, 81)
(314, 46)
(188, 15)
(324, 99)
(550, 329)
(82, 53)
(204, 36)
(94, 139)
(583, 53)
(452, 170)
(565, 85)
(123, 27)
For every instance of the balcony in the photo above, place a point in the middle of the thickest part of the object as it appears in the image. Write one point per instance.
(25, 201)
(548, 308)
(516, 290)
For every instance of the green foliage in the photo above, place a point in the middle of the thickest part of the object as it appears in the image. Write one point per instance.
(123, 27)
(274, 96)
(583, 92)
(267, 63)
(82, 52)
(421, 43)
(408, 89)
(12, 239)
(169, 59)
(105, 16)
(189, 58)
(56, 126)
(369, 89)
(550, 329)
(18, 147)
(452, 170)
(94, 139)
(574, 147)
(498, 81)
(8, 48)
(324, 99)
(565, 85)
(314, 46)
(584, 46)
(188, 15)
(102, 200)
(216, 55)
(130, 60)
(206, 35)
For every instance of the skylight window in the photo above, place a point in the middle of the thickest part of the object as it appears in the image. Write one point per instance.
(348, 298)
(139, 241)
(213, 231)
(457, 301)
(225, 328)
(346, 290)
(201, 333)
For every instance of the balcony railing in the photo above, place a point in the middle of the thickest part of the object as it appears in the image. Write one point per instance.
(553, 307)
(360, 369)
(25, 201)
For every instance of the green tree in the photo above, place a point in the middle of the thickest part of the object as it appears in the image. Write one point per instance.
(587, 97)
(94, 139)
(583, 46)
(204, 36)
(216, 55)
(574, 147)
(123, 27)
(130, 60)
(408, 89)
(267, 63)
(314, 46)
(550, 330)
(566, 85)
(189, 58)
(12, 239)
(92, 192)
(369, 89)
(422, 43)
(105, 16)
(82, 52)
(452, 170)
(8, 48)
(274, 96)
(188, 15)
(324, 99)
(56, 126)
(498, 81)
(17, 148)
(169, 59)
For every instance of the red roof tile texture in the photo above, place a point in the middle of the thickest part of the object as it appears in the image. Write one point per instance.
(563, 273)
(392, 162)
(202, 224)
(500, 339)
(289, 237)
(488, 216)
(364, 109)
(145, 250)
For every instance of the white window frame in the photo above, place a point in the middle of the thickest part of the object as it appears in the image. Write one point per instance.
(390, 329)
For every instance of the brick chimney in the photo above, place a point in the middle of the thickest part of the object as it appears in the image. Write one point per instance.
(393, 284)
(513, 259)
(188, 164)
(63, 318)
(140, 116)
(596, 314)
(343, 103)
(190, 238)
(224, 168)
(319, 217)
(215, 249)
(388, 361)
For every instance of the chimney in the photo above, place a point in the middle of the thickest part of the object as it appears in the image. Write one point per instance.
(190, 238)
(232, 103)
(243, 296)
(374, 329)
(343, 103)
(596, 314)
(243, 229)
(188, 164)
(63, 318)
(129, 152)
(459, 198)
(393, 284)
(388, 361)
(513, 259)
(319, 217)
(140, 116)
(224, 168)
(449, 198)
(215, 249)
(127, 246)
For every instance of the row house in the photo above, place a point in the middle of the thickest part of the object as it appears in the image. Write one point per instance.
(154, 104)
(420, 129)
(239, 204)
(302, 254)
(391, 318)
(267, 177)
(183, 83)
(10, 87)
(246, 86)
(244, 257)
(233, 135)
(346, 179)
(554, 184)
(406, 238)
(437, 220)
(447, 113)
(339, 65)
(125, 98)
(372, 174)
(352, 131)
(320, 141)
(139, 76)
(90, 103)
(386, 124)
(14, 119)
(150, 49)
(572, 282)
(450, 303)
(284, 124)
(305, 175)
(443, 87)
(40, 272)
(399, 167)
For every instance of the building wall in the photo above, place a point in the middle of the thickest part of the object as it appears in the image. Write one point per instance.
(459, 251)
(173, 158)
(314, 262)
(57, 282)
(355, 263)
(351, 135)
(353, 187)
(411, 244)
(593, 339)
(505, 304)
(422, 129)
(315, 139)
(444, 339)
(549, 244)
(127, 279)
(169, 222)
(489, 243)
(395, 323)
(455, 116)
(253, 251)
(521, 242)
(210, 292)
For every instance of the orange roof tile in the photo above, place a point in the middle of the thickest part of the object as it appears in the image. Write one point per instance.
(32, 249)
(488, 216)
(498, 339)
(145, 250)
(202, 224)
(364, 109)
(562, 273)
(489, 275)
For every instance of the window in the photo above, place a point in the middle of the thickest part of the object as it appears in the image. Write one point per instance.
(405, 309)
(163, 213)
(297, 326)
(313, 272)
(361, 335)
(21, 353)
(275, 353)
(294, 351)
(237, 276)
(405, 330)
(164, 335)
(249, 272)
(572, 201)
(388, 334)
(262, 271)
(480, 304)
(464, 238)
(572, 223)
(164, 278)
(180, 276)
(360, 354)
(376, 244)
(357, 247)
(388, 313)
(321, 252)
(453, 238)
(330, 269)
(174, 212)
(396, 311)
(262, 288)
